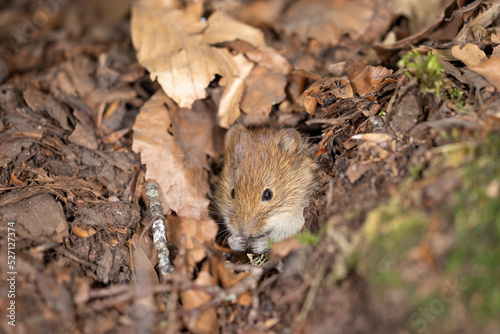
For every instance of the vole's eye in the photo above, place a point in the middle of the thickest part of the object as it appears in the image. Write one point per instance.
(267, 195)
(232, 193)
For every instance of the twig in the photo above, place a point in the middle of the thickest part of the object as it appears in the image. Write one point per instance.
(159, 236)
(249, 283)
(311, 295)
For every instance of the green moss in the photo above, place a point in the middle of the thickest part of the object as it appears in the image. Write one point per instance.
(308, 238)
(391, 231)
(426, 68)
(470, 216)
(475, 256)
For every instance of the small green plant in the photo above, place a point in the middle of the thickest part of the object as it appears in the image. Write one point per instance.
(415, 171)
(455, 93)
(426, 68)
(457, 97)
(308, 238)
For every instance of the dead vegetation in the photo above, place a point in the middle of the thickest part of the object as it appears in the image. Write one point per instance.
(399, 99)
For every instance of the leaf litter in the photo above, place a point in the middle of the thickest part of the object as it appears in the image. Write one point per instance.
(91, 110)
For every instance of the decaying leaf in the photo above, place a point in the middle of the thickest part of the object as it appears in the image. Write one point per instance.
(206, 322)
(477, 61)
(327, 21)
(194, 232)
(182, 185)
(84, 231)
(285, 247)
(264, 89)
(37, 217)
(373, 137)
(367, 79)
(39, 101)
(175, 46)
(222, 28)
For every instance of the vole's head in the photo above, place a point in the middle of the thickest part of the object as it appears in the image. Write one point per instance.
(264, 186)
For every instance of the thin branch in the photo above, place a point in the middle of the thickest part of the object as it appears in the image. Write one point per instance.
(159, 236)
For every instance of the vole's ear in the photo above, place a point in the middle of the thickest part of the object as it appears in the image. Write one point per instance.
(290, 140)
(233, 134)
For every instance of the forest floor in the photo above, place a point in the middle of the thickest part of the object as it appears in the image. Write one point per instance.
(400, 101)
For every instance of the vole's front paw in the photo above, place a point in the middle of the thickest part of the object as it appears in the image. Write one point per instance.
(237, 243)
(260, 245)
(243, 244)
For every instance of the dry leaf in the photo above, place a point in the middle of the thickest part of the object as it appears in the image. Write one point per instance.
(36, 217)
(182, 185)
(239, 69)
(261, 13)
(477, 61)
(418, 12)
(285, 247)
(227, 276)
(206, 322)
(196, 132)
(310, 104)
(84, 137)
(271, 60)
(264, 89)
(356, 170)
(244, 299)
(143, 268)
(172, 46)
(326, 21)
(84, 231)
(470, 54)
(373, 137)
(195, 232)
(222, 28)
(39, 101)
(367, 79)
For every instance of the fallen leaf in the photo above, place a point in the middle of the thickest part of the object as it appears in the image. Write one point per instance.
(84, 231)
(36, 217)
(285, 247)
(373, 137)
(169, 45)
(191, 127)
(244, 299)
(356, 170)
(104, 265)
(206, 322)
(239, 69)
(261, 13)
(366, 79)
(143, 255)
(223, 28)
(182, 185)
(477, 61)
(421, 23)
(470, 54)
(39, 101)
(84, 137)
(174, 46)
(195, 232)
(326, 21)
(417, 12)
(11, 145)
(271, 60)
(227, 276)
(264, 89)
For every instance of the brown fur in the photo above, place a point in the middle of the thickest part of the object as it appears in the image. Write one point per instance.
(256, 160)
